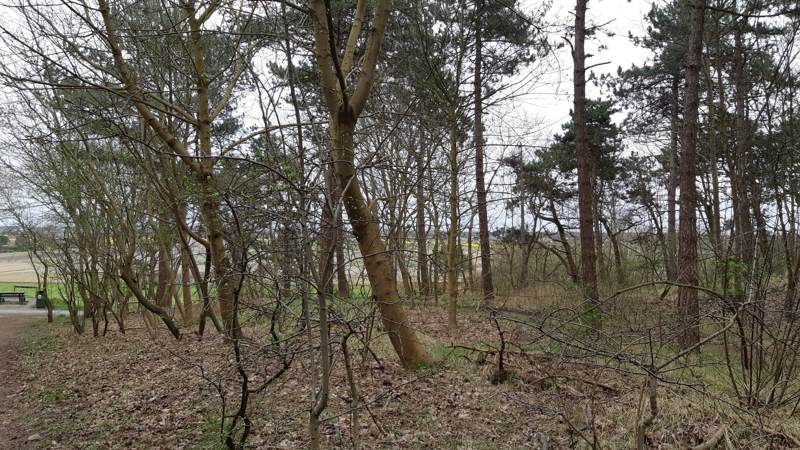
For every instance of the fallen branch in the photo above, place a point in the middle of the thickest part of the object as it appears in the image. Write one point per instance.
(795, 441)
(642, 424)
(713, 440)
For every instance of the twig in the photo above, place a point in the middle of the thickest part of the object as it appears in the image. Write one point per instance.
(713, 440)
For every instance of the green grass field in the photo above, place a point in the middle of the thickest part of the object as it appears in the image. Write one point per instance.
(30, 292)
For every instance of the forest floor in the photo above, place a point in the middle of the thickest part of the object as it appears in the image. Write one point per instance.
(137, 390)
(15, 429)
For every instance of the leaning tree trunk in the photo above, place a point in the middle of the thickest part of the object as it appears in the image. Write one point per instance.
(688, 305)
(344, 108)
(564, 239)
(202, 168)
(376, 261)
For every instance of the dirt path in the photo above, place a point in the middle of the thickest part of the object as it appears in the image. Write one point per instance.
(13, 432)
(15, 310)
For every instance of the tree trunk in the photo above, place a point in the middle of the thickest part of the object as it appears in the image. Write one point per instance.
(452, 235)
(744, 236)
(344, 112)
(688, 305)
(342, 284)
(166, 277)
(617, 252)
(376, 261)
(130, 280)
(400, 257)
(203, 168)
(584, 158)
(422, 236)
(564, 237)
(186, 288)
(470, 252)
(221, 264)
(671, 249)
(480, 184)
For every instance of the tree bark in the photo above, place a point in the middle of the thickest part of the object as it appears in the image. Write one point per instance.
(619, 268)
(480, 183)
(688, 305)
(452, 235)
(344, 113)
(584, 158)
(202, 169)
(342, 283)
(422, 236)
(186, 288)
(564, 238)
(671, 249)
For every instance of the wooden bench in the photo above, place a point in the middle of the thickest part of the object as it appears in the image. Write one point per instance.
(19, 296)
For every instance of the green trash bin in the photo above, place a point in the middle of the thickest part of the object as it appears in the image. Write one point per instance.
(41, 301)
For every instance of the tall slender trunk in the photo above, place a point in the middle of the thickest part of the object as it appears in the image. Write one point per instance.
(527, 247)
(744, 237)
(210, 203)
(400, 257)
(584, 158)
(344, 111)
(714, 146)
(480, 183)
(688, 305)
(327, 239)
(437, 239)
(422, 233)
(722, 137)
(671, 249)
(452, 235)
(186, 288)
(470, 256)
(166, 277)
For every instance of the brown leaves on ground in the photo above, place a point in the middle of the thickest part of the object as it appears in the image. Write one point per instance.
(130, 391)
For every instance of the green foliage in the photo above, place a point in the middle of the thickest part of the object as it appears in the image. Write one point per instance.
(551, 173)
(52, 394)
(39, 340)
(212, 435)
(641, 177)
(449, 354)
(647, 90)
(593, 315)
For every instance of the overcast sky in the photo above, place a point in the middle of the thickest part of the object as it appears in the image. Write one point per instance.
(550, 101)
(532, 118)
